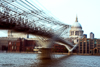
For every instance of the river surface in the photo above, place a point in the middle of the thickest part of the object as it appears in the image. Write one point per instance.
(31, 60)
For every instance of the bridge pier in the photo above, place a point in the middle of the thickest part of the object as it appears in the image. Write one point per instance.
(70, 53)
(45, 53)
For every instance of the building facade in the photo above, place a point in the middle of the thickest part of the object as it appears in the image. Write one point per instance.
(89, 46)
(59, 48)
(4, 43)
(21, 45)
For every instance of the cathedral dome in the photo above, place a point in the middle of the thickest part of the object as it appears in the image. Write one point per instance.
(76, 24)
(76, 31)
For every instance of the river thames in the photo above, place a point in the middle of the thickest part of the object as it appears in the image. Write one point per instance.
(31, 60)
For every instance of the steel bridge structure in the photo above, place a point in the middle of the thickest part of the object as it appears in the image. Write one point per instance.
(29, 17)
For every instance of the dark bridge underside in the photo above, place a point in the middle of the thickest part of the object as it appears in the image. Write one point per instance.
(26, 28)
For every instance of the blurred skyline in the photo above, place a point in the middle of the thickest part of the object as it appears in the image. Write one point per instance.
(87, 11)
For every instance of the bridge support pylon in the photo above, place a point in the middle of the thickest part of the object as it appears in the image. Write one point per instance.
(45, 53)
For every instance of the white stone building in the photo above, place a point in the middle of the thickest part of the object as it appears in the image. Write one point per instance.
(76, 31)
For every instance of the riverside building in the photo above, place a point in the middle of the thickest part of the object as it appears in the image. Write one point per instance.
(89, 46)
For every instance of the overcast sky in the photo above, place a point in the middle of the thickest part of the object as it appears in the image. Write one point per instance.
(87, 11)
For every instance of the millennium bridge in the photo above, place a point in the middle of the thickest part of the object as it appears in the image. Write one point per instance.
(29, 17)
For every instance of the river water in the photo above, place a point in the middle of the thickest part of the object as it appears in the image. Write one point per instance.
(31, 60)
